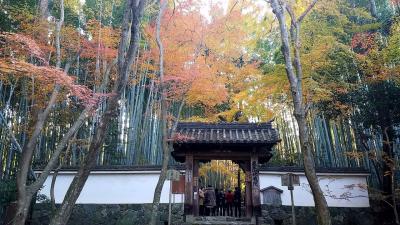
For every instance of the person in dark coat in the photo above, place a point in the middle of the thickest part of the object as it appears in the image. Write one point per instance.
(229, 202)
(222, 205)
(217, 203)
(237, 199)
(209, 200)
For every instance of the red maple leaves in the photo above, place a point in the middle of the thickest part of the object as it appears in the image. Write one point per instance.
(363, 43)
(16, 49)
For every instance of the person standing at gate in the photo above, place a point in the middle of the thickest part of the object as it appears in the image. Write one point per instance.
(201, 201)
(237, 199)
(222, 205)
(209, 200)
(229, 203)
(217, 203)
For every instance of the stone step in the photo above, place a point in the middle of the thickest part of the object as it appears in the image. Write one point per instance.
(221, 223)
(222, 220)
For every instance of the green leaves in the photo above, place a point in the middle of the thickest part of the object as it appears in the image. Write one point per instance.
(392, 51)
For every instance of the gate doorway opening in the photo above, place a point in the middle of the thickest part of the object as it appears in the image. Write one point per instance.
(222, 188)
(221, 174)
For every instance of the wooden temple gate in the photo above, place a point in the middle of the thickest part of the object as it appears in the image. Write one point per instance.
(246, 144)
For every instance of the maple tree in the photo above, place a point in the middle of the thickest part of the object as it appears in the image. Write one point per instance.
(13, 62)
(23, 57)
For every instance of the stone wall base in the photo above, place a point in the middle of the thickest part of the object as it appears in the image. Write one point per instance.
(281, 215)
(92, 214)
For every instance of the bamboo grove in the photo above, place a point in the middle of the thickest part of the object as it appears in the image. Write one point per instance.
(222, 66)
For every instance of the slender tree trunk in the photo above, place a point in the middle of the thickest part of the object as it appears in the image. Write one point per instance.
(323, 215)
(131, 21)
(24, 192)
(372, 8)
(44, 9)
(97, 70)
(294, 74)
(24, 195)
(394, 202)
(52, 187)
(23, 206)
(163, 109)
(13, 139)
(388, 138)
(27, 192)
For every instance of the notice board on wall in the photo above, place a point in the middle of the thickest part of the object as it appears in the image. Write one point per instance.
(178, 187)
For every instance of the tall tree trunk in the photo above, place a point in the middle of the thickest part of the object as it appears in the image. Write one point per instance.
(25, 192)
(44, 9)
(52, 187)
(59, 25)
(372, 8)
(294, 74)
(23, 195)
(163, 109)
(388, 136)
(394, 201)
(131, 21)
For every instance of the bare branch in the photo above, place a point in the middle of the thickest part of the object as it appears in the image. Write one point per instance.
(60, 147)
(234, 5)
(304, 14)
(29, 148)
(289, 9)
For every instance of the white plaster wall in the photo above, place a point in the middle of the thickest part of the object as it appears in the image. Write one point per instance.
(134, 187)
(111, 188)
(341, 190)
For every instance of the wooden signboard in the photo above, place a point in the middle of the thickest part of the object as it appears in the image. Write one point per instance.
(290, 180)
(178, 187)
(173, 175)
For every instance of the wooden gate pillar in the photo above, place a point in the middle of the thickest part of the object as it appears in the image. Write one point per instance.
(189, 185)
(248, 198)
(255, 185)
(196, 188)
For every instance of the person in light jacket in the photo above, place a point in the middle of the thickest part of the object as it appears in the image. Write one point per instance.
(201, 201)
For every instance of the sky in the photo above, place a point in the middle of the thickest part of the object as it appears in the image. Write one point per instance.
(205, 9)
(206, 5)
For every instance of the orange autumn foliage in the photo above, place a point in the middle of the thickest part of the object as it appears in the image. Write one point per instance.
(201, 56)
(15, 51)
(103, 41)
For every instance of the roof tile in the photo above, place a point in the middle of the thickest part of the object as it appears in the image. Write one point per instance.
(226, 133)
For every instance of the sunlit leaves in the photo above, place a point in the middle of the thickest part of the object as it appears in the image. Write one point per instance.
(206, 59)
(101, 40)
(208, 90)
(392, 51)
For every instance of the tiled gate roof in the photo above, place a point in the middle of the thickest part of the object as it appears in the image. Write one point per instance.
(191, 132)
